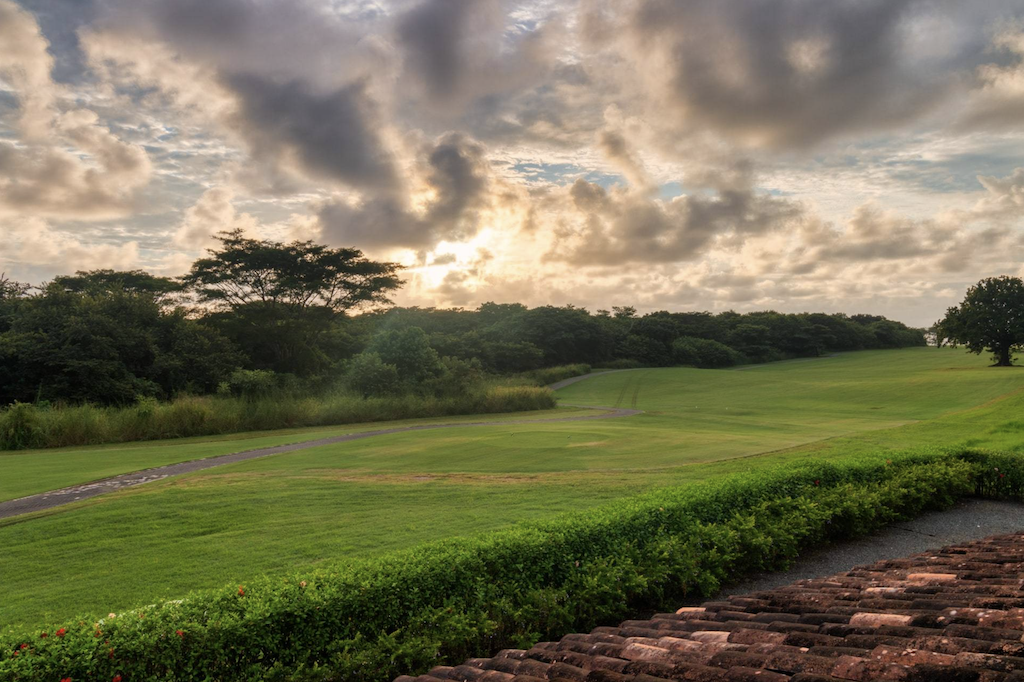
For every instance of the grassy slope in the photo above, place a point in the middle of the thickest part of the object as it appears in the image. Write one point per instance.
(370, 496)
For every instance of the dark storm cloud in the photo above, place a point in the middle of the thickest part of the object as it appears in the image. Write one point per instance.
(287, 39)
(432, 36)
(454, 169)
(790, 73)
(458, 175)
(332, 135)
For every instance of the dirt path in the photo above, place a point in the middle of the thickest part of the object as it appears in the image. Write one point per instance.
(57, 498)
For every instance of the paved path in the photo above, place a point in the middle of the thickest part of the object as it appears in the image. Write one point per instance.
(969, 520)
(57, 498)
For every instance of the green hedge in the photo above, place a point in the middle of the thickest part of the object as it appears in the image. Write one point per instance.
(446, 601)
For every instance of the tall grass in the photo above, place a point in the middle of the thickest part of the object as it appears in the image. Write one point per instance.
(27, 426)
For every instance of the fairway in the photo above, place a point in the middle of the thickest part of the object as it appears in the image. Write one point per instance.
(355, 499)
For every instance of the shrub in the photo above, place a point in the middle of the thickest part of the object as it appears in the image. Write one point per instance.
(551, 375)
(457, 377)
(704, 353)
(251, 383)
(408, 611)
(20, 427)
(409, 351)
(368, 376)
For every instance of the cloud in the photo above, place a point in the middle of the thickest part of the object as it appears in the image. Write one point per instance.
(67, 164)
(455, 51)
(288, 81)
(1004, 197)
(33, 247)
(330, 135)
(454, 178)
(49, 181)
(999, 100)
(213, 212)
(26, 65)
(615, 147)
(284, 40)
(625, 227)
(782, 74)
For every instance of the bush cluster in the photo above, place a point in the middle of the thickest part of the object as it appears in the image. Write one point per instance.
(408, 611)
(29, 426)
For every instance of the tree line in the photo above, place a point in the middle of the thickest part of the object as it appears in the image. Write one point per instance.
(256, 314)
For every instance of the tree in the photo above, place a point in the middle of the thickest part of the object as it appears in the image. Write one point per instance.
(991, 317)
(277, 301)
(117, 281)
(372, 377)
(106, 344)
(409, 352)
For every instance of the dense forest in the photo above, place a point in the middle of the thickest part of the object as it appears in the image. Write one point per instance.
(258, 315)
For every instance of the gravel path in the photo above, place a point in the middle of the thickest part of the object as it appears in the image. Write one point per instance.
(57, 498)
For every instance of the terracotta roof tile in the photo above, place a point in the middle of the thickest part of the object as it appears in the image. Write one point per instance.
(953, 615)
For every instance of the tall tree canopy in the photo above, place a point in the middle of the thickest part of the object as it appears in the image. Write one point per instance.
(278, 301)
(991, 317)
(297, 276)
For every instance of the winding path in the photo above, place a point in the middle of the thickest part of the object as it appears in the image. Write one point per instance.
(57, 498)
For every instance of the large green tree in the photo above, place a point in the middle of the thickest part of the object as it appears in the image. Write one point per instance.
(278, 302)
(991, 317)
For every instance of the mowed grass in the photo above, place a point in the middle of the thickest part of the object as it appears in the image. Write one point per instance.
(27, 472)
(356, 499)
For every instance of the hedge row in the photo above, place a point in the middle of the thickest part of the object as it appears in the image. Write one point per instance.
(408, 611)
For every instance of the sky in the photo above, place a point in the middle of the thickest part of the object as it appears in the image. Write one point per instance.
(796, 155)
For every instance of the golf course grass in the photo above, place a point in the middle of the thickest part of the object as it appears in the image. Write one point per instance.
(348, 500)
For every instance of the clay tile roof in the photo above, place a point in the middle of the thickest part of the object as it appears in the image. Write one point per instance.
(953, 615)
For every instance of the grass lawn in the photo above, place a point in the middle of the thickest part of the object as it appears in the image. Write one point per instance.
(355, 499)
(27, 472)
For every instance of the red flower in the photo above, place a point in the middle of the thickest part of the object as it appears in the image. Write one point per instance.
(179, 633)
(24, 646)
(1002, 475)
(241, 590)
(817, 482)
(117, 678)
(65, 679)
(43, 636)
(98, 633)
(60, 633)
